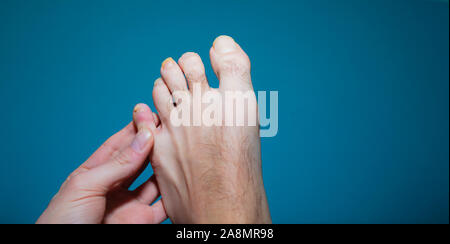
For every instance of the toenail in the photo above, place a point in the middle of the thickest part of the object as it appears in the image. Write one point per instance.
(167, 62)
(137, 108)
(224, 44)
(189, 54)
(158, 82)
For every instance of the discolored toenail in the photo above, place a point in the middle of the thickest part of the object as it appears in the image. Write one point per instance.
(224, 44)
(138, 108)
(167, 62)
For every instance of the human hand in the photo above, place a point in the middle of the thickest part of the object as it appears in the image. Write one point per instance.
(97, 192)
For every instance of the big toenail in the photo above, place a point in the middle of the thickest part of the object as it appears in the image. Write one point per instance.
(224, 44)
(167, 62)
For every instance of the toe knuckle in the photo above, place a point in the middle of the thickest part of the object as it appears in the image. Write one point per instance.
(236, 64)
(195, 73)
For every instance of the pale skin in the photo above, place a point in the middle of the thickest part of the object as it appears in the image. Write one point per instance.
(205, 174)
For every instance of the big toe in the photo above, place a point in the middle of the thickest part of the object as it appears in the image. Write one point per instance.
(231, 64)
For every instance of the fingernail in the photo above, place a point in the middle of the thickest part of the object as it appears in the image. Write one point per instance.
(224, 44)
(141, 140)
(167, 62)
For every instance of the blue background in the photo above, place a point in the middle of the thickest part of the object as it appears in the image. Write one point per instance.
(363, 97)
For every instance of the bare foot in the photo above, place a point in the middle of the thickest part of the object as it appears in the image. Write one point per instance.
(209, 174)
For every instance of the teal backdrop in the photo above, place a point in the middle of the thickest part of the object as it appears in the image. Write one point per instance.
(363, 96)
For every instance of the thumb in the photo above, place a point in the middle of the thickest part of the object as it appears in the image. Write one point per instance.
(124, 165)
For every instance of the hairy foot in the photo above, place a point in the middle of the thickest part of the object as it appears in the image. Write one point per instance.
(209, 173)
